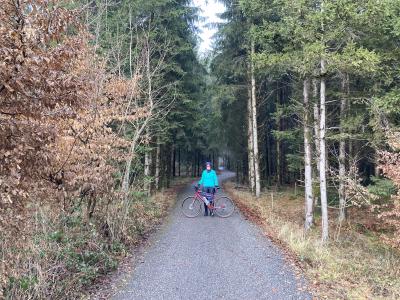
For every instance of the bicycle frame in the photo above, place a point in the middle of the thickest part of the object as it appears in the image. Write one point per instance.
(198, 195)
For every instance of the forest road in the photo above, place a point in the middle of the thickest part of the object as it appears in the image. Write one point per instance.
(211, 258)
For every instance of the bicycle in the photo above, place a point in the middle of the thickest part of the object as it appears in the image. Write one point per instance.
(222, 206)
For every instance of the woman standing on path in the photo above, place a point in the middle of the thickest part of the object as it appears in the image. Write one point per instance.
(209, 183)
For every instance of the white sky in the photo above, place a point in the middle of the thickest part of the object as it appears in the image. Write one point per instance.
(210, 10)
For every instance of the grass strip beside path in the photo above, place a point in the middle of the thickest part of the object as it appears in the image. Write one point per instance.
(354, 266)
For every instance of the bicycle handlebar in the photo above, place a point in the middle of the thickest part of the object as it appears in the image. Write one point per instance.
(197, 187)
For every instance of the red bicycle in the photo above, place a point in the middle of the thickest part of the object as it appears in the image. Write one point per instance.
(222, 206)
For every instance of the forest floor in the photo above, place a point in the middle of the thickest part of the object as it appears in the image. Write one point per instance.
(209, 258)
(165, 199)
(65, 257)
(355, 264)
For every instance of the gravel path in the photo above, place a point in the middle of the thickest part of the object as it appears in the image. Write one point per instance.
(211, 258)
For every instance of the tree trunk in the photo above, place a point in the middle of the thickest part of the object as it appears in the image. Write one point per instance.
(157, 171)
(316, 120)
(250, 143)
(194, 166)
(316, 132)
(187, 162)
(268, 160)
(198, 164)
(147, 167)
(316, 136)
(237, 174)
(125, 180)
(173, 161)
(130, 42)
(214, 161)
(179, 162)
(309, 199)
(278, 162)
(128, 164)
(278, 141)
(147, 156)
(194, 163)
(255, 129)
(168, 165)
(322, 157)
(342, 151)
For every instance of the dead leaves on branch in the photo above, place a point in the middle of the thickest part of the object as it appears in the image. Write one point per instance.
(39, 87)
(62, 117)
(37, 56)
(60, 112)
(66, 127)
(389, 163)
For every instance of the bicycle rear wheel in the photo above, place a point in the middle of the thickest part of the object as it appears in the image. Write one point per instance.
(224, 207)
(191, 207)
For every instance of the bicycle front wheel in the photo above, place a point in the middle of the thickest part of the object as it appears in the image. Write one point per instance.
(224, 207)
(191, 207)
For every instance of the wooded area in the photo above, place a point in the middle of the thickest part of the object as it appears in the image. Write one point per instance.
(103, 103)
(319, 81)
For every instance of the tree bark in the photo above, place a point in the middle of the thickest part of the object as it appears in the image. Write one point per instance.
(278, 162)
(316, 135)
(157, 171)
(187, 161)
(250, 143)
(278, 141)
(342, 151)
(147, 165)
(128, 163)
(125, 181)
(147, 156)
(179, 161)
(322, 157)
(194, 163)
(198, 164)
(130, 41)
(214, 161)
(268, 151)
(309, 199)
(173, 161)
(316, 120)
(255, 129)
(316, 132)
(168, 165)
(237, 174)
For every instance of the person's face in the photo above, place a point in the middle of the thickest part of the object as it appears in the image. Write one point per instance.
(208, 167)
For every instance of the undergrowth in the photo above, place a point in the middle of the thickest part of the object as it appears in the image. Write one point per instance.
(352, 265)
(64, 254)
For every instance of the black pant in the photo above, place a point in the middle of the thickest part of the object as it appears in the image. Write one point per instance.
(208, 190)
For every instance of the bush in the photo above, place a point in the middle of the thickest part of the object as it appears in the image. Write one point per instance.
(382, 187)
(66, 252)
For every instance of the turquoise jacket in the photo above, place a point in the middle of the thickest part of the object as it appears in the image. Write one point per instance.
(209, 179)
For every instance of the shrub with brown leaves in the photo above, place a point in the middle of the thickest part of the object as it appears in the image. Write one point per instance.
(40, 85)
(390, 166)
(60, 139)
